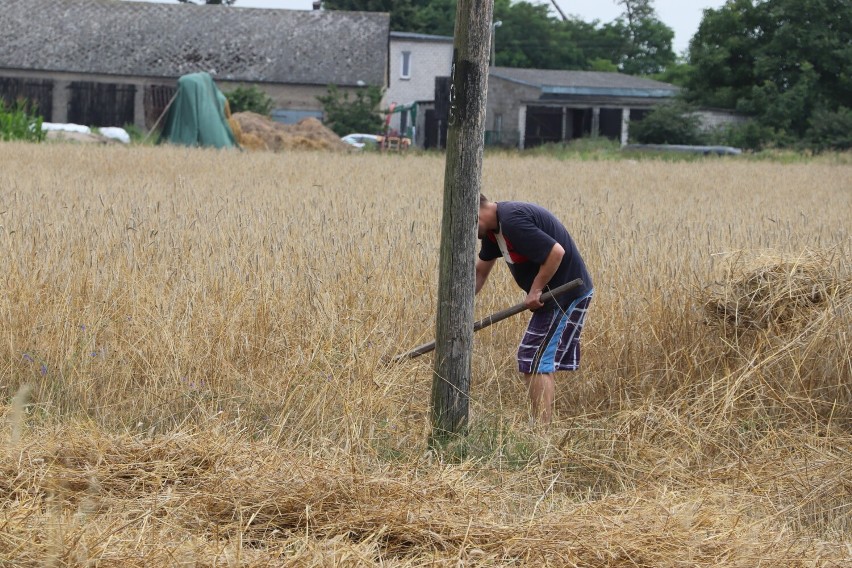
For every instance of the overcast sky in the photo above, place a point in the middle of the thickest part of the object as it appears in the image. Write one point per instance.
(683, 16)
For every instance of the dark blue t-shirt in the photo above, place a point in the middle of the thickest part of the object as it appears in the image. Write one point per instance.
(529, 232)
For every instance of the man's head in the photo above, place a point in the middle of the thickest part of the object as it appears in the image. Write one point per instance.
(487, 216)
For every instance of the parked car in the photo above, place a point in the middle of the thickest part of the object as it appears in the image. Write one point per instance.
(375, 141)
(362, 140)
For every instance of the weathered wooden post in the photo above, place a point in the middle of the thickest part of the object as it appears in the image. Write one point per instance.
(462, 183)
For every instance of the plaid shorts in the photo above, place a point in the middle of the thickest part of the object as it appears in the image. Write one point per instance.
(552, 340)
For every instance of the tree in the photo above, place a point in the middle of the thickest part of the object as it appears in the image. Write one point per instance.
(402, 12)
(345, 115)
(831, 130)
(673, 123)
(647, 46)
(531, 36)
(677, 73)
(784, 62)
(437, 17)
(250, 99)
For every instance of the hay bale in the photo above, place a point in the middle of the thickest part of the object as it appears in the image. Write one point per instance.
(252, 142)
(307, 134)
(779, 294)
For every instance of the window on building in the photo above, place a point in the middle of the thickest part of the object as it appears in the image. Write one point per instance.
(405, 65)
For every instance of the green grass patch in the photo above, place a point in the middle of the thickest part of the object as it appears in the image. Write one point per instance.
(18, 123)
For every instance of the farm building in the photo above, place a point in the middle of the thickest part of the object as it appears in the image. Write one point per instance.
(415, 61)
(530, 107)
(112, 63)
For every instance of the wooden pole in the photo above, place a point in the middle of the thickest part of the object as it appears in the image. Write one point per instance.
(462, 183)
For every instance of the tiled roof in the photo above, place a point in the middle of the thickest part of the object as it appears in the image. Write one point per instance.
(557, 80)
(169, 40)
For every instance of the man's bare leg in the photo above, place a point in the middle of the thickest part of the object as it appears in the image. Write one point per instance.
(542, 391)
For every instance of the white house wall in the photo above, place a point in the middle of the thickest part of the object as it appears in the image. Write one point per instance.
(428, 59)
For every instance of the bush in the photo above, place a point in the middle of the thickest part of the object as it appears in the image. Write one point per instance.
(668, 124)
(750, 135)
(345, 116)
(249, 99)
(16, 123)
(830, 130)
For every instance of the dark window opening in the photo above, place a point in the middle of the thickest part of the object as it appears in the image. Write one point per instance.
(101, 104)
(36, 94)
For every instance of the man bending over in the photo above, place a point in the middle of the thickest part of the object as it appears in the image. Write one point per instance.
(541, 255)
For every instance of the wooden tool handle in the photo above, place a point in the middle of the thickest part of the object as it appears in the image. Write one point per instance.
(494, 318)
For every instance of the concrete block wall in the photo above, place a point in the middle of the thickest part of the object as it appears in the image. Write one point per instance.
(504, 99)
(428, 59)
(712, 119)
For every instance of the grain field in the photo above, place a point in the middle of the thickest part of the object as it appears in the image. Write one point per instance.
(193, 347)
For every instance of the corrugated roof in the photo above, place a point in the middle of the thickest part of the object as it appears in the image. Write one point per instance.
(170, 40)
(580, 82)
(412, 36)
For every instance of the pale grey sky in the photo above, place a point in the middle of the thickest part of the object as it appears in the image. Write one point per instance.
(683, 16)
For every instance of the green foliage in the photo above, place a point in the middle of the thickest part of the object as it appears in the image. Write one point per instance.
(749, 135)
(249, 99)
(435, 17)
(402, 12)
(604, 65)
(647, 42)
(19, 123)
(831, 130)
(345, 115)
(678, 73)
(672, 123)
(532, 36)
(139, 136)
(780, 61)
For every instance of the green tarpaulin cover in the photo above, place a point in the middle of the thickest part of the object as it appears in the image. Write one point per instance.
(196, 116)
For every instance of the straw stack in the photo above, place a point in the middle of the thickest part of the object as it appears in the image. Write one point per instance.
(778, 294)
(257, 132)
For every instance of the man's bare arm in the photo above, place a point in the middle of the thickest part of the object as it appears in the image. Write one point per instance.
(483, 269)
(545, 273)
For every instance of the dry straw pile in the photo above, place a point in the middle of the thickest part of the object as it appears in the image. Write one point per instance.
(256, 132)
(193, 345)
(780, 295)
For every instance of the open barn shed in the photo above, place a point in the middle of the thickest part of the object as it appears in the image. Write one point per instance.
(113, 63)
(531, 107)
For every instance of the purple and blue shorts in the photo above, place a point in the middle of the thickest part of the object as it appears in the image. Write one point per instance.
(552, 340)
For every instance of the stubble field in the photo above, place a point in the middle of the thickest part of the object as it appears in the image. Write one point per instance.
(192, 366)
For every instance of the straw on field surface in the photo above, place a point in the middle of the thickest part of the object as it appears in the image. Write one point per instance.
(193, 345)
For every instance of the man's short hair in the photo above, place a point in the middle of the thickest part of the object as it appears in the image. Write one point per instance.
(482, 200)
